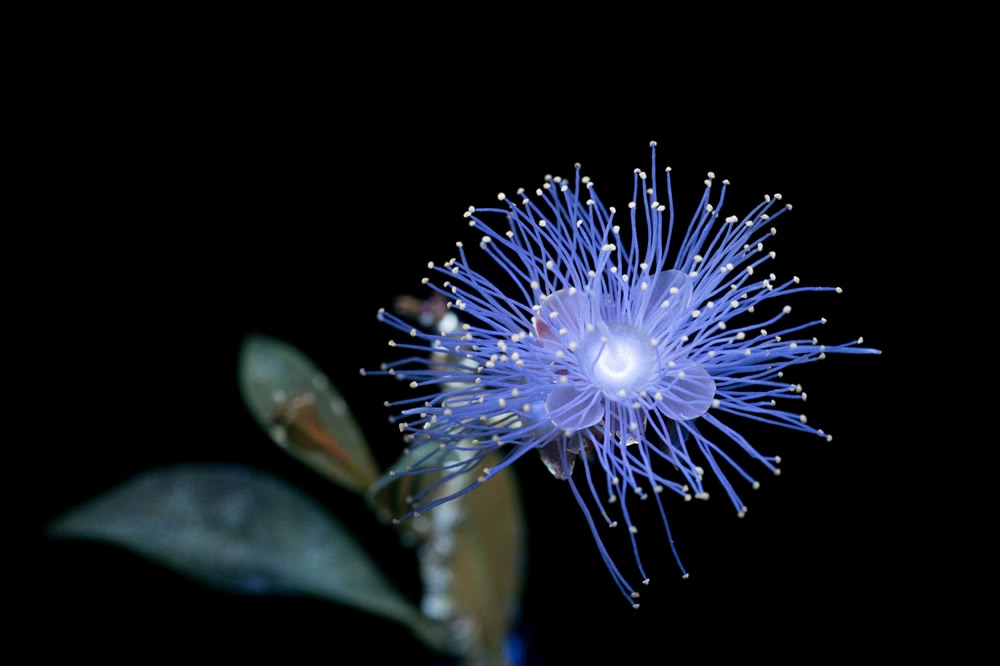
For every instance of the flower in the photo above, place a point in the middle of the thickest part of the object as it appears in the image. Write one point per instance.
(610, 344)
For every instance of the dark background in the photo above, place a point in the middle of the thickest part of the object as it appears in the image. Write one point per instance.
(296, 195)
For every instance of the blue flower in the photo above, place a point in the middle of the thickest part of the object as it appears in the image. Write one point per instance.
(603, 340)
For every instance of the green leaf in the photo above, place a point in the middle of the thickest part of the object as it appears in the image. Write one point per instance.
(240, 529)
(303, 413)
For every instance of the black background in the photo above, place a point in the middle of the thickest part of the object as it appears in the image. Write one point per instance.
(295, 191)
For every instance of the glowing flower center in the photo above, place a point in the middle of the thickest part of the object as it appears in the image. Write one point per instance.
(619, 357)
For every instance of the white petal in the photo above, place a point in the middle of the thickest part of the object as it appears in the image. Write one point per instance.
(572, 313)
(655, 318)
(688, 397)
(570, 409)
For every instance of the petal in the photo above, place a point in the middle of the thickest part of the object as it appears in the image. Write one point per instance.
(571, 409)
(653, 316)
(688, 397)
(572, 313)
(535, 424)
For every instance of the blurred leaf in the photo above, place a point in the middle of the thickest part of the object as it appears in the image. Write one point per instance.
(474, 543)
(303, 413)
(242, 530)
(488, 564)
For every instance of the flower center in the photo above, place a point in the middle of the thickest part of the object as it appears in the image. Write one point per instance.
(619, 357)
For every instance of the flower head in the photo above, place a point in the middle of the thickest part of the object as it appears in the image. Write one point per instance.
(608, 347)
